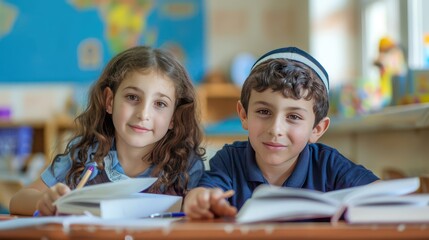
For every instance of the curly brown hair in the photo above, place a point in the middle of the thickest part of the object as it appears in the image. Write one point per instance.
(293, 79)
(171, 154)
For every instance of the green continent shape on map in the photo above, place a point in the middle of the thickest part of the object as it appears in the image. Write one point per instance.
(125, 21)
(8, 14)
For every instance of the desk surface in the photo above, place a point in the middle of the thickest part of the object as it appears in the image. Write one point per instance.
(226, 230)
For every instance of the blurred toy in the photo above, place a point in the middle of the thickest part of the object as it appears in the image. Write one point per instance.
(418, 91)
(370, 95)
(392, 66)
(426, 50)
(350, 102)
(357, 98)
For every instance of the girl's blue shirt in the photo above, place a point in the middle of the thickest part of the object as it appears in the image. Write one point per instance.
(113, 169)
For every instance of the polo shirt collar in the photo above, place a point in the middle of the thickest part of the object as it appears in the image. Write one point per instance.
(296, 179)
(299, 174)
(252, 170)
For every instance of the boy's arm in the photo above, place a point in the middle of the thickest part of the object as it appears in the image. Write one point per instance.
(204, 203)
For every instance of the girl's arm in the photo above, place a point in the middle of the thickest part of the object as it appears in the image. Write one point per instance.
(24, 202)
(37, 196)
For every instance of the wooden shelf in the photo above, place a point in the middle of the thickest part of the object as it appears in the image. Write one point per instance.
(218, 101)
(413, 116)
(394, 138)
(47, 134)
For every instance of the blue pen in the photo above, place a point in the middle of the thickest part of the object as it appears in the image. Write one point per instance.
(168, 215)
(36, 213)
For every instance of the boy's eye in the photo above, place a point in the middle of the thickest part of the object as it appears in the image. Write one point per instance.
(294, 117)
(263, 112)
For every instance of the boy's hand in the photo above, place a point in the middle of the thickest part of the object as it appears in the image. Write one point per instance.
(203, 203)
(45, 204)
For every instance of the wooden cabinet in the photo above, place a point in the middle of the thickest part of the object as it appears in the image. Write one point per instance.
(48, 135)
(218, 101)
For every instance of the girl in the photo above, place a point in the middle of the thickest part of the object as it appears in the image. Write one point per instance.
(141, 121)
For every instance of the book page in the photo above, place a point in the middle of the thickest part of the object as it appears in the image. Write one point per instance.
(108, 190)
(274, 203)
(341, 194)
(281, 209)
(402, 200)
(393, 187)
(272, 192)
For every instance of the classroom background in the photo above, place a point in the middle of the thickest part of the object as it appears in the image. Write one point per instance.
(375, 51)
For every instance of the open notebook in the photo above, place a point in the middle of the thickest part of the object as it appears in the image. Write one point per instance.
(120, 199)
(381, 202)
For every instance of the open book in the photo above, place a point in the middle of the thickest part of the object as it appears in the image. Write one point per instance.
(120, 199)
(380, 202)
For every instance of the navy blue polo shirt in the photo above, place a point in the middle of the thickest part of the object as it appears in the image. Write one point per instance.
(318, 167)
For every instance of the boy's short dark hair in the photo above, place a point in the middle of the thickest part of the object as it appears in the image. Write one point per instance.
(293, 79)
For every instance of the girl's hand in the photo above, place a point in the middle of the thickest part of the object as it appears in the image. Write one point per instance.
(202, 203)
(45, 204)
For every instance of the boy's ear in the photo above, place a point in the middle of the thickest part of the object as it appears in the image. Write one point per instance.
(319, 129)
(243, 115)
(108, 96)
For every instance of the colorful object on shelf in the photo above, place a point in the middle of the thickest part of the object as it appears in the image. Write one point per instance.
(15, 147)
(418, 88)
(386, 87)
(5, 113)
(426, 50)
(360, 97)
(392, 66)
(385, 44)
(349, 104)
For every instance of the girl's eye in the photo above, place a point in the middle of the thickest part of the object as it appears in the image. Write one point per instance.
(161, 104)
(132, 97)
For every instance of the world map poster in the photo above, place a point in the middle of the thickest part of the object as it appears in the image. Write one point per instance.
(71, 41)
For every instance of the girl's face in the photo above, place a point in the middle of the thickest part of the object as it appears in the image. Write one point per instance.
(142, 109)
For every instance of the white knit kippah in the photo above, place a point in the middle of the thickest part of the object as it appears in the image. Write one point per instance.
(296, 54)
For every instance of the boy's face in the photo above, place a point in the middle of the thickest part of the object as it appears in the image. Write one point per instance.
(279, 128)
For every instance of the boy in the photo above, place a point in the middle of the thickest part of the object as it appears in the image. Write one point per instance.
(284, 106)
